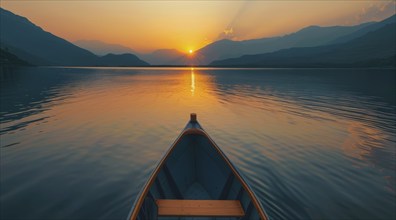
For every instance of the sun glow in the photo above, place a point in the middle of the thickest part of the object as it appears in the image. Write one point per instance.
(190, 51)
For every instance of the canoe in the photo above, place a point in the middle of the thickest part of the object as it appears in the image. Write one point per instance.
(195, 180)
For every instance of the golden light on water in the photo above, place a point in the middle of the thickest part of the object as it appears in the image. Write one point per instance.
(176, 91)
(192, 82)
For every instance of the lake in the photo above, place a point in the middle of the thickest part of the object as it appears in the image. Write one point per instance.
(79, 143)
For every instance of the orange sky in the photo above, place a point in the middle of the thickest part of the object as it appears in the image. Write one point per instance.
(189, 25)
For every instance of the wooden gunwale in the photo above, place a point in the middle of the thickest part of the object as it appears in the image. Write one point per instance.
(197, 131)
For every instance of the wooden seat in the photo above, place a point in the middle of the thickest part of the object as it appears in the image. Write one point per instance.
(200, 208)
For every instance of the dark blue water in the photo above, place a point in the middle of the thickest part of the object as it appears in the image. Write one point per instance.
(79, 143)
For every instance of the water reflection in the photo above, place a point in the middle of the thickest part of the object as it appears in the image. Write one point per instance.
(192, 82)
(306, 98)
(312, 143)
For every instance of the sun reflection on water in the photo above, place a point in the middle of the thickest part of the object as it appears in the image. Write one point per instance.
(192, 82)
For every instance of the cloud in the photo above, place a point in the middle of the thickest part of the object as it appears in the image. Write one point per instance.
(229, 31)
(377, 11)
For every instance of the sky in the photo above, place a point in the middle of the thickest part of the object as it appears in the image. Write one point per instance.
(145, 26)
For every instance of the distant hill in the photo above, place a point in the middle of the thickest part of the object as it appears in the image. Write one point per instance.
(365, 30)
(101, 48)
(8, 59)
(306, 37)
(374, 49)
(120, 60)
(157, 57)
(35, 45)
(162, 56)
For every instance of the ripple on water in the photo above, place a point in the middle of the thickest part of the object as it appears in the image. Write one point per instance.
(313, 144)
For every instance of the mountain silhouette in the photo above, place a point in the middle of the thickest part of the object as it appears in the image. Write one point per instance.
(8, 59)
(101, 48)
(312, 46)
(307, 37)
(119, 60)
(365, 30)
(33, 44)
(374, 49)
(162, 56)
(157, 57)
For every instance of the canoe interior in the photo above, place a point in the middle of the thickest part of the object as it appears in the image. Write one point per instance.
(195, 170)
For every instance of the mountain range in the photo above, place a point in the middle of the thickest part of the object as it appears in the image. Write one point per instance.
(367, 44)
(101, 48)
(36, 46)
(312, 36)
(157, 57)
(306, 37)
(376, 48)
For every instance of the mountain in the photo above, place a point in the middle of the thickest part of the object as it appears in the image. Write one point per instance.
(365, 30)
(162, 56)
(307, 37)
(33, 44)
(19, 33)
(157, 57)
(120, 60)
(101, 48)
(374, 49)
(8, 59)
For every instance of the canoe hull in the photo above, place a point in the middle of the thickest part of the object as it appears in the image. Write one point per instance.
(195, 168)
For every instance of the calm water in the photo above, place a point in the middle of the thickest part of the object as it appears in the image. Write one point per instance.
(313, 144)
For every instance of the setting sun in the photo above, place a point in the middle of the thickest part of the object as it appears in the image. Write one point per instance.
(190, 51)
